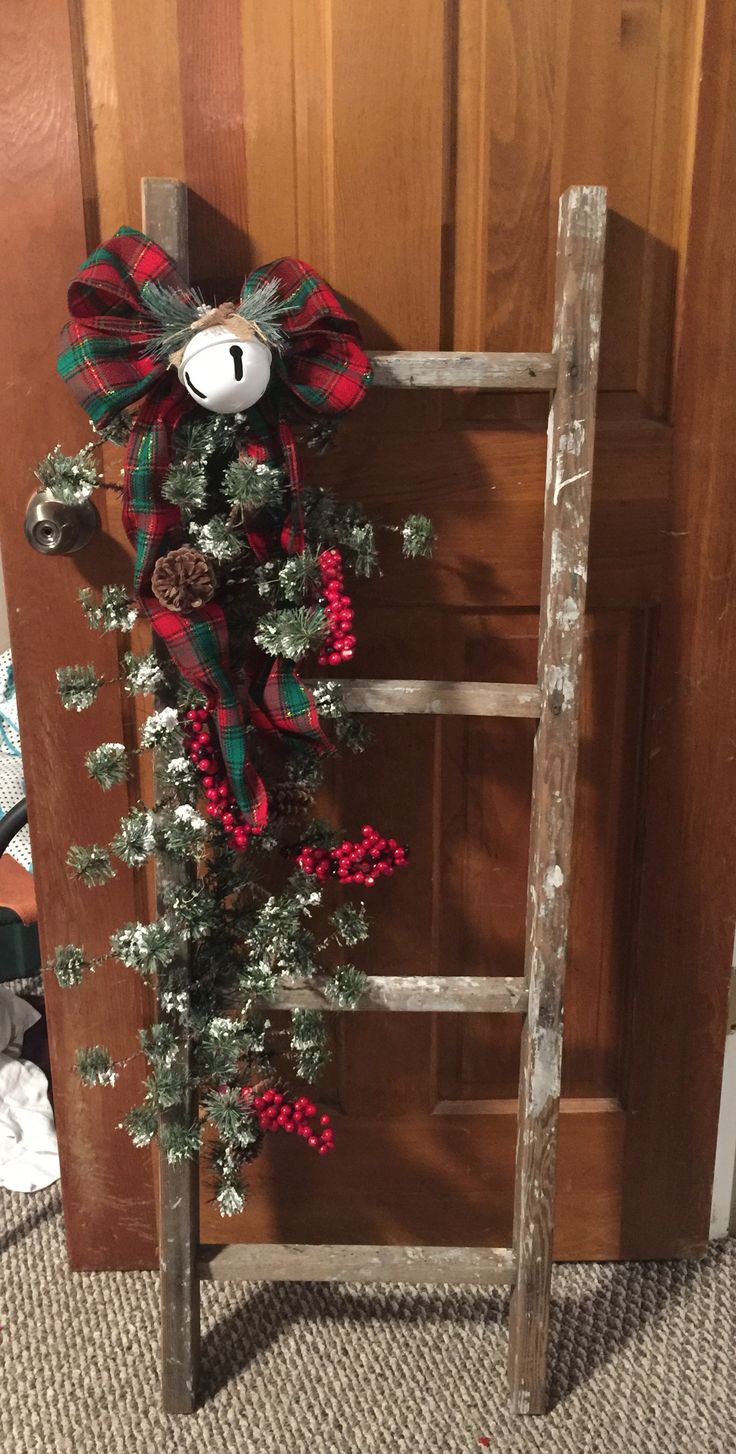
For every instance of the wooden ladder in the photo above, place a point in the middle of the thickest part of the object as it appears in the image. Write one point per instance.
(569, 373)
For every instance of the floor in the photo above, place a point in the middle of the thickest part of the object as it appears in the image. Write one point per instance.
(642, 1361)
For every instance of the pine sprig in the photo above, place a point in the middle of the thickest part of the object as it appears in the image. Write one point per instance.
(68, 964)
(308, 1043)
(418, 536)
(78, 686)
(134, 843)
(251, 485)
(147, 948)
(107, 764)
(90, 864)
(95, 1066)
(114, 611)
(291, 632)
(141, 674)
(162, 729)
(350, 923)
(346, 986)
(217, 539)
(185, 485)
(70, 478)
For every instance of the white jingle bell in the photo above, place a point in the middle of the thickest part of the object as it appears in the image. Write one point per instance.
(225, 373)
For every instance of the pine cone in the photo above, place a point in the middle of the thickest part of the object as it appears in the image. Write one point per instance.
(289, 802)
(183, 579)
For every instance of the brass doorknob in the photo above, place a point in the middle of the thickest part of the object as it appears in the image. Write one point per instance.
(53, 528)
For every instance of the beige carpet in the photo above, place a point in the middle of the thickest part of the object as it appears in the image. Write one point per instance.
(643, 1361)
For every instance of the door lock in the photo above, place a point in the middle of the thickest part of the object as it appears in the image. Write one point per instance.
(54, 528)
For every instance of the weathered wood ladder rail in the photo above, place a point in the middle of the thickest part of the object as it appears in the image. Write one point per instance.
(569, 373)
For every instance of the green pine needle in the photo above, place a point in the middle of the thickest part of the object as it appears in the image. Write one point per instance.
(217, 539)
(78, 686)
(71, 478)
(418, 536)
(185, 486)
(308, 1043)
(133, 843)
(346, 986)
(141, 1123)
(350, 923)
(114, 611)
(107, 764)
(180, 1143)
(68, 964)
(251, 484)
(91, 864)
(142, 674)
(292, 632)
(95, 1066)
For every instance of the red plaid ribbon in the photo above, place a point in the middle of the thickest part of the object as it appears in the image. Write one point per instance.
(107, 359)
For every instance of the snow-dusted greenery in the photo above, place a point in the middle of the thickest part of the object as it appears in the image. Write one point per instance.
(230, 927)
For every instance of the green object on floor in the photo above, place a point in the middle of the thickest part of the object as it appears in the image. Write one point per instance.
(20, 952)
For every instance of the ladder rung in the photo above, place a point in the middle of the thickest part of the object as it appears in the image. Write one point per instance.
(449, 993)
(407, 370)
(253, 1262)
(453, 699)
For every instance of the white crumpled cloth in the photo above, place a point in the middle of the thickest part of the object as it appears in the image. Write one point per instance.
(29, 1157)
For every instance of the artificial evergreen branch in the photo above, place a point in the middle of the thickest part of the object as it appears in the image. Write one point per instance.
(70, 478)
(308, 1043)
(418, 536)
(141, 1123)
(113, 612)
(162, 729)
(95, 1066)
(91, 864)
(346, 986)
(217, 539)
(291, 632)
(185, 485)
(147, 948)
(68, 964)
(299, 577)
(134, 843)
(78, 686)
(350, 923)
(180, 832)
(141, 674)
(250, 485)
(107, 764)
(179, 1142)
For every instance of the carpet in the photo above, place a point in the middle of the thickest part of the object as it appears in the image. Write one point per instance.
(642, 1360)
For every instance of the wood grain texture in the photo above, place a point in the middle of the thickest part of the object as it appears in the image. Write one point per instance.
(107, 1185)
(461, 699)
(490, 1266)
(568, 491)
(164, 213)
(534, 371)
(417, 994)
(688, 895)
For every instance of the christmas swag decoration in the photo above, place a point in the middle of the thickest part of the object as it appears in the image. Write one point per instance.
(239, 569)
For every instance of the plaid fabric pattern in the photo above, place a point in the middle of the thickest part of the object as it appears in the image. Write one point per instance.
(106, 359)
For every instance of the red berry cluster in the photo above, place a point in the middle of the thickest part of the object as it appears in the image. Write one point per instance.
(354, 863)
(204, 752)
(275, 1113)
(339, 643)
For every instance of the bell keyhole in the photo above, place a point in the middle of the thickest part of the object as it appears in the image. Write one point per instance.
(237, 357)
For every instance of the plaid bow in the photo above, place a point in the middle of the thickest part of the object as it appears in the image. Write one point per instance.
(107, 359)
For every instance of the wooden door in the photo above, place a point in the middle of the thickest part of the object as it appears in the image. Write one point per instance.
(426, 191)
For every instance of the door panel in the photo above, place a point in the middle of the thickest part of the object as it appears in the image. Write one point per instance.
(415, 154)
